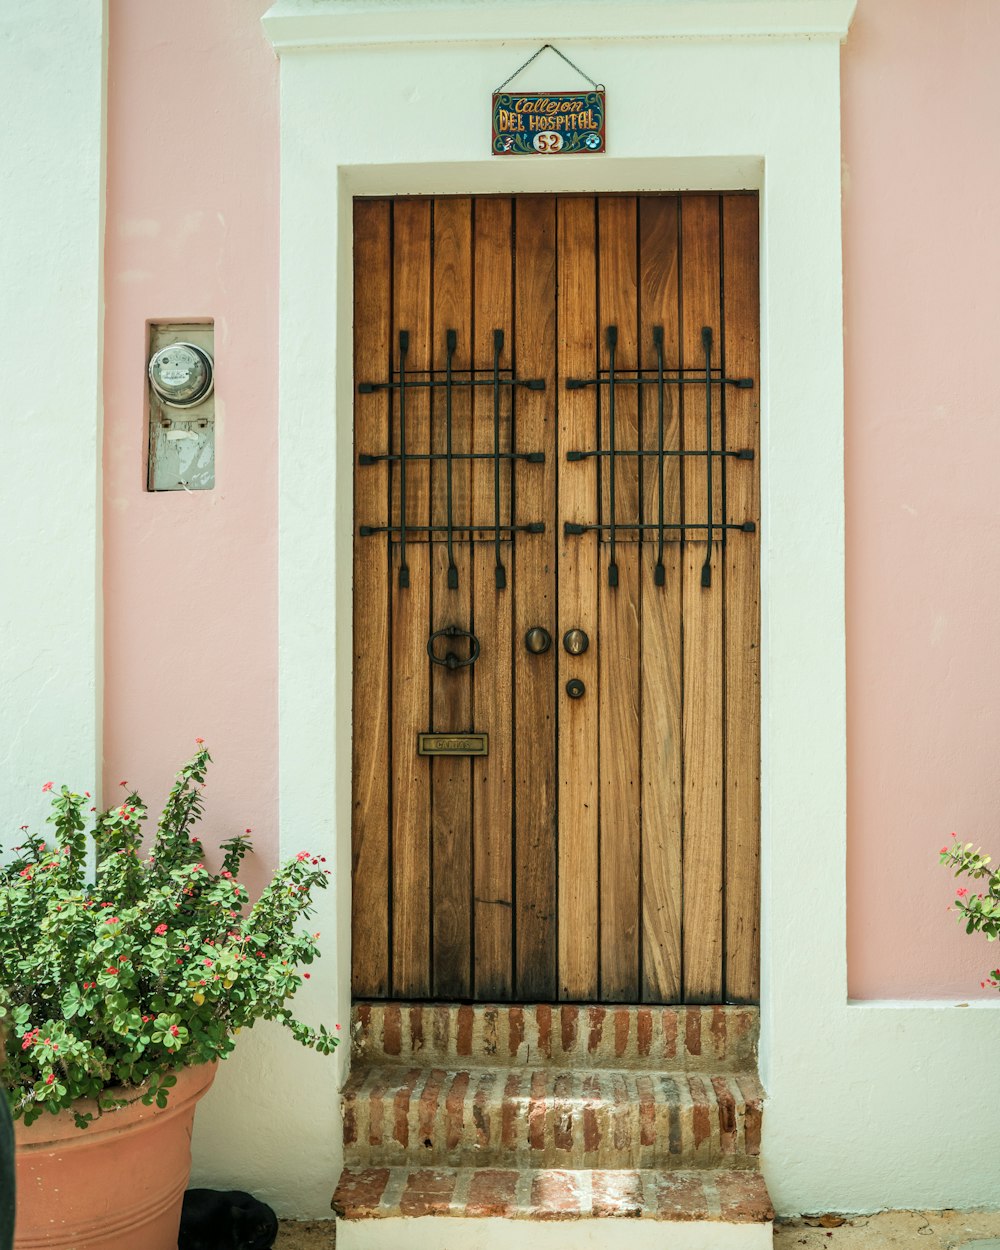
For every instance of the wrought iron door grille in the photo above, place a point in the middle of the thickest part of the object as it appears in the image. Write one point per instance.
(612, 529)
(401, 381)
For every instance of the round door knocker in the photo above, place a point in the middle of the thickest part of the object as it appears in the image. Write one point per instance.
(575, 688)
(450, 660)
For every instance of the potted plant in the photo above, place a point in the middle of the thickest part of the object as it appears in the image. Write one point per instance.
(121, 989)
(979, 911)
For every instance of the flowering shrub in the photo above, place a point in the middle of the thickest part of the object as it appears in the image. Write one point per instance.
(980, 911)
(152, 966)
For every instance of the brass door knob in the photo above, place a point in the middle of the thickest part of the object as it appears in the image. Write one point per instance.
(538, 640)
(575, 641)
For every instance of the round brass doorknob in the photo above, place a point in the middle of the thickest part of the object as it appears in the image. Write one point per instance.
(575, 688)
(538, 640)
(575, 641)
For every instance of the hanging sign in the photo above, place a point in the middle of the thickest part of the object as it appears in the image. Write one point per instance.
(536, 123)
(546, 123)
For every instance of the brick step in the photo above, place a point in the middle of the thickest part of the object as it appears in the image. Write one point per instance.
(733, 1197)
(694, 1039)
(547, 1117)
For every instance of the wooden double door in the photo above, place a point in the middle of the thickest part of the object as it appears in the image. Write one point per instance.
(556, 497)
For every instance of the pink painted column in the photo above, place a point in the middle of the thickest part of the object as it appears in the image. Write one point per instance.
(190, 579)
(921, 118)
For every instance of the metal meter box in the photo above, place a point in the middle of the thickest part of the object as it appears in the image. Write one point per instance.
(180, 382)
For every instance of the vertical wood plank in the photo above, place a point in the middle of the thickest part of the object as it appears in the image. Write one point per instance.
(534, 568)
(742, 603)
(618, 613)
(370, 825)
(491, 683)
(661, 615)
(451, 691)
(411, 860)
(702, 606)
(578, 572)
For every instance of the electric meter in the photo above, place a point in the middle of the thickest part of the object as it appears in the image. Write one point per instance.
(182, 375)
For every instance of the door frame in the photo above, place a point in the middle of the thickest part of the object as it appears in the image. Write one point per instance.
(787, 147)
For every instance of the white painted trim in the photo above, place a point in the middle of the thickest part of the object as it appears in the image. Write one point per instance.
(869, 1106)
(52, 65)
(461, 1233)
(787, 145)
(313, 24)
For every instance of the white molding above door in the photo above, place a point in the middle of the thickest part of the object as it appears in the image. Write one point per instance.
(314, 24)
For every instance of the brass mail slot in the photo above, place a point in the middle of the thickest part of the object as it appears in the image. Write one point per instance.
(453, 744)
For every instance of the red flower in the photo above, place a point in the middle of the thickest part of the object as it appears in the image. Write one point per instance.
(174, 1030)
(306, 975)
(944, 850)
(302, 855)
(207, 963)
(112, 920)
(112, 972)
(962, 892)
(47, 787)
(160, 929)
(123, 783)
(227, 875)
(50, 1078)
(199, 741)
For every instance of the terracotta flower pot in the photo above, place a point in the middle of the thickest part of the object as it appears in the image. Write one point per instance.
(116, 1185)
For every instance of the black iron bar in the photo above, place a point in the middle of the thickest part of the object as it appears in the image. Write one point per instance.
(745, 453)
(532, 527)
(532, 457)
(500, 572)
(636, 379)
(611, 335)
(404, 568)
(706, 342)
(529, 384)
(451, 342)
(659, 573)
(575, 527)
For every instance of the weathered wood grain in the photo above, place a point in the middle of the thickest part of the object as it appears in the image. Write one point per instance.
(579, 870)
(370, 788)
(661, 615)
(493, 780)
(742, 577)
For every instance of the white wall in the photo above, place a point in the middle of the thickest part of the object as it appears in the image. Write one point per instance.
(52, 55)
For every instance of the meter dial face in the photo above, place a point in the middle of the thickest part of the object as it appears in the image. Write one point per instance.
(181, 374)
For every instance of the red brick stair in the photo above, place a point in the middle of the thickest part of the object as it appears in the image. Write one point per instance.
(552, 1114)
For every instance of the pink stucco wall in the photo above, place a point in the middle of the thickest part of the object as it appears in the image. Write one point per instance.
(921, 118)
(191, 579)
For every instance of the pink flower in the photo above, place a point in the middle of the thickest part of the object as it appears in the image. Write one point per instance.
(962, 892)
(207, 963)
(112, 920)
(123, 783)
(302, 855)
(944, 850)
(47, 787)
(160, 930)
(228, 875)
(199, 741)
